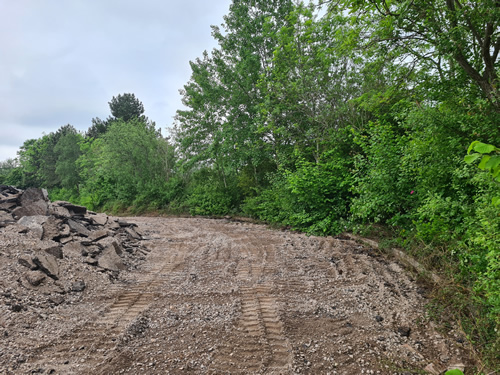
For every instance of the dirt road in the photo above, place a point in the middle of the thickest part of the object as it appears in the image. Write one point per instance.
(225, 297)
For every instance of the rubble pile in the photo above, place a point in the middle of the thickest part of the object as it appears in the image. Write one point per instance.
(53, 247)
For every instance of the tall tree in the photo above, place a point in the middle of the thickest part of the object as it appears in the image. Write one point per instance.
(98, 127)
(442, 35)
(126, 106)
(309, 85)
(223, 94)
(68, 151)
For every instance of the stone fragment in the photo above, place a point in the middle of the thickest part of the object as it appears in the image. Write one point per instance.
(65, 240)
(50, 228)
(404, 331)
(123, 223)
(56, 300)
(110, 260)
(34, 223)
(6, 219)
(33, 203)
(78, 286)
(48, 264)
(27, 262)
(59, 211)
(118, 247)
(98, 235)
(132, 233)
(99, 219)
(35, 278)
(75, 209)
(78, 228)
(55, 250)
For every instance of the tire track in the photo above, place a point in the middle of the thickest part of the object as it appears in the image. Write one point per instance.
(260, 341)
(91, 344)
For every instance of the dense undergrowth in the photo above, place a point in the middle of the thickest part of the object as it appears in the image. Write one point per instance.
(315, 122)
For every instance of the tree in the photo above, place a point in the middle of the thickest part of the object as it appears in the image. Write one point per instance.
(7, 168)
(98, 127)
(220, 127)
(132, 159)
(309, 85)
(68, 152)
(438, 35)
(126, 107)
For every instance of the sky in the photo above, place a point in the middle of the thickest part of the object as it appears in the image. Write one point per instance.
(61, 62)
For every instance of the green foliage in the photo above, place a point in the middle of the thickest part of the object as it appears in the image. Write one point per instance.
(312, 198)
(383, 187)
(98, 127)
(67, 149)
(454, 372)
(125, 107)
(207, 194)
(490, 161)
(8, 171)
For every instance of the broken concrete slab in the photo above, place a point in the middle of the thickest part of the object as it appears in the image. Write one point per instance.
(26, 261)
(33, 202)
(34, 223)
(51, 228)
(59, 211)
(54, 250)
(78, 228)
(110, 260)
(47, 263)
(99, 219)
(6, 219)
(35, 278)
(73, 248)
(65, 240)
(132, 233)
(73, 209)
(98, 235)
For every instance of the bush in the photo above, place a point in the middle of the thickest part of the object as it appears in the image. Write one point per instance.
(313, 198)
(208, 195)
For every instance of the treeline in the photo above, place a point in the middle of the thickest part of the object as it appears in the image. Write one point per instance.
(323, 119)
(119, 162)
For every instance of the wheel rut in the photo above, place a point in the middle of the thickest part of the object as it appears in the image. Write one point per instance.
(219, 297)
(91, 344)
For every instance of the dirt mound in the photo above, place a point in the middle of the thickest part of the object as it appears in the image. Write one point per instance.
(53, 252)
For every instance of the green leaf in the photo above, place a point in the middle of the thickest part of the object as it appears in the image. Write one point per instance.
(484, 148)
(469, 159)
(454, 372)
(495, 201)
(493, 162)
(484, 160)
(472, 146)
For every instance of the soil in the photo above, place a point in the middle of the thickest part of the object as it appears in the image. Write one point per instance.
(227, 297)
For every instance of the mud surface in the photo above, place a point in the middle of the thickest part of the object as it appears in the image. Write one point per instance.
(225, 297)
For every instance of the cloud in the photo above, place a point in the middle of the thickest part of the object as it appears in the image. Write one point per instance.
(63, 61)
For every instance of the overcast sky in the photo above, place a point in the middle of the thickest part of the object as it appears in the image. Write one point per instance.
(61, 62)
